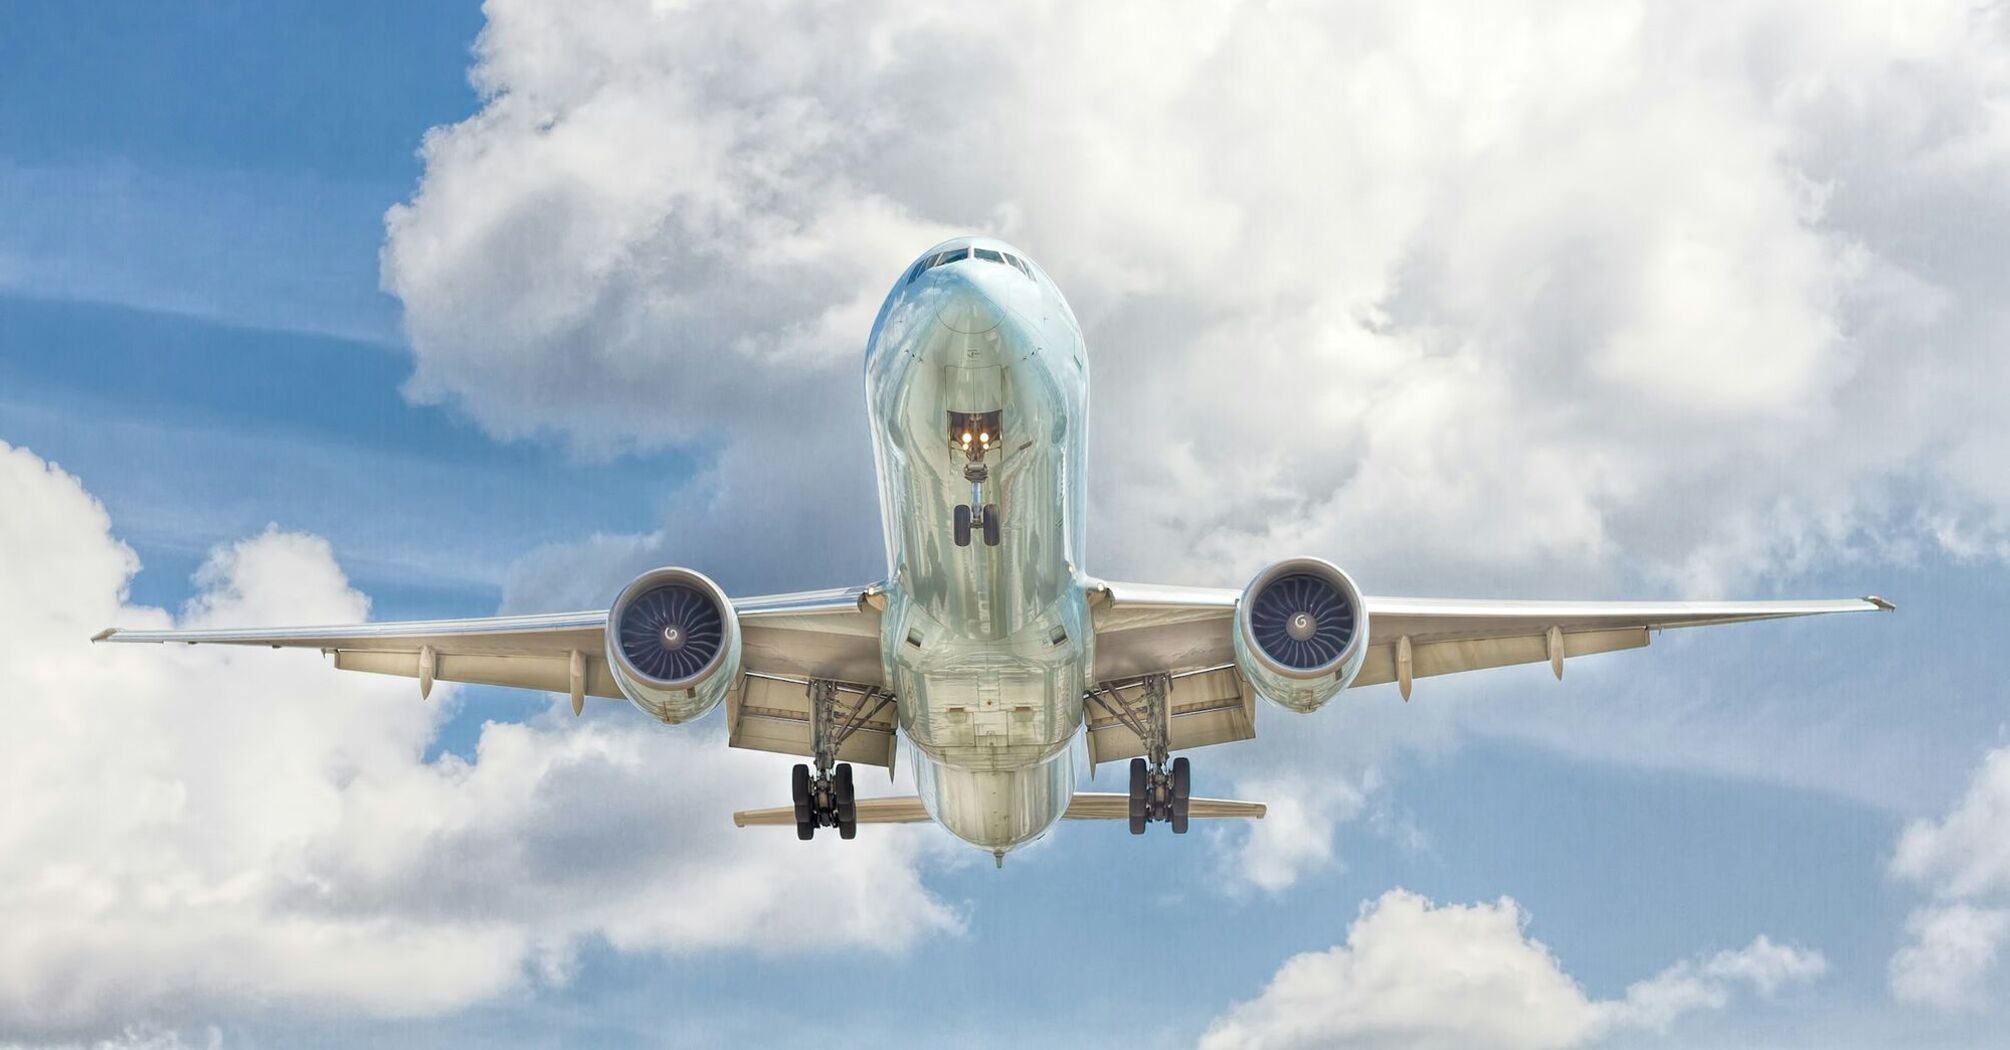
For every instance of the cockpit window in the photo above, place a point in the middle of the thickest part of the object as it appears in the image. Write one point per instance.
(958, 254)
(952, 255)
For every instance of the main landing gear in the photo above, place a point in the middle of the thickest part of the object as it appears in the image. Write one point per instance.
(1161, 790)
(825, 799)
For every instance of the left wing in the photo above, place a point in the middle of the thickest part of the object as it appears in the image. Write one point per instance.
(1147, 629)
(786, 639)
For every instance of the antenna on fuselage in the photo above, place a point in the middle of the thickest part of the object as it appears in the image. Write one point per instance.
(999, 856)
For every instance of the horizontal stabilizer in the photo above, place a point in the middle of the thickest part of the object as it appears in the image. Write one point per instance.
(1086, 806)
(1110, 806)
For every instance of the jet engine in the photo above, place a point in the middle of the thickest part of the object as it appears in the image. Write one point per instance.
(1301, 632)
(673, 643)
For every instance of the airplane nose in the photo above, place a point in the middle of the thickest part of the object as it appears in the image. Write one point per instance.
(969, 312)
(967, 306)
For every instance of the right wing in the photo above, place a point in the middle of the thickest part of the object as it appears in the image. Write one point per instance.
(786, 639)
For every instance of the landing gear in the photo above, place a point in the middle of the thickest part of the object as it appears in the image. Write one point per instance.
(985, 520)
(975, 435)
(825, 799)
(1161, 789)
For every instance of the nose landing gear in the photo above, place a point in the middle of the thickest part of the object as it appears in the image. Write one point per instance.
(975, 434)
(984, 520)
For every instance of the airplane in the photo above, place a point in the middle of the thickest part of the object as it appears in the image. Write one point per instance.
(986, 647)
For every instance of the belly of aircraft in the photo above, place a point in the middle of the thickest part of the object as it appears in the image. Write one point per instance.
(986, 644)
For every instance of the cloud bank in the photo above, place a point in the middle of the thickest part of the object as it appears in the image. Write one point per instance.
(1550, 289)
(196, 832)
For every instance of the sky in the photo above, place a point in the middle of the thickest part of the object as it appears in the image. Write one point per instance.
(399, 311)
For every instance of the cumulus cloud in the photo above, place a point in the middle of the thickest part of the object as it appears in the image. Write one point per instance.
(1417, 974)
(1964, 860)
(1950, 952)
(1551, 287)
(195, 831)
(1295, 835)
(1556, 296)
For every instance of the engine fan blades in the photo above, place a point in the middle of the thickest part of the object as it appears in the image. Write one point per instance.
(1302, 621)
(671, 633)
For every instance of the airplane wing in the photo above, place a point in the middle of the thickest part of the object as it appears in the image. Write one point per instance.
(1147, 629)
(786, 639)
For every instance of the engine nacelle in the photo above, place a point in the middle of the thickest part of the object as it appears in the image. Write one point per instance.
(673, 643)
(1301, 632)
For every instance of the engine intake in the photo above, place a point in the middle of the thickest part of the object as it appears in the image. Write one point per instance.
(1301, 632)
(673, 643)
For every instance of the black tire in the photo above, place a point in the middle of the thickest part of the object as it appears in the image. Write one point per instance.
(799, 788)
(962, 526)
(1140, 782)
(847, 801)
(1182, 793)
(991, 524)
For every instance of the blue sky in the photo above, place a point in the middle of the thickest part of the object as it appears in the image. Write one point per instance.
(194, 322)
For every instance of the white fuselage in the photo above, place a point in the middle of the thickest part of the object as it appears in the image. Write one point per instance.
(987, 647)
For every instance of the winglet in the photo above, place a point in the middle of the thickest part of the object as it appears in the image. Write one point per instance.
(104, 634)
(1879, 602)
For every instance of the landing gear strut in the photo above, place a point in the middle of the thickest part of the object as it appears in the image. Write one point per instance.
(1161, 790)
(975, 434)
(826, 799)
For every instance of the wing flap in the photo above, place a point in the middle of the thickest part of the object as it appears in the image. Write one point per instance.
(1474, 654)
(773, 714)
(550, 673)
(1212, 706)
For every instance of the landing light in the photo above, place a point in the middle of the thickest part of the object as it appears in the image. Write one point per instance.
(982, 439)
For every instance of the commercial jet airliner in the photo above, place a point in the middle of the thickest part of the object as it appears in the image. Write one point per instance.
(987, 647)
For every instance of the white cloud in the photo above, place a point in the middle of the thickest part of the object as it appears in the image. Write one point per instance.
(1552, 287)
(1964, 860)
(1421, 975)
(1549, 296)
(134, 1038)
(1295, 836)
(1966, 853)
(194, 831)
(1953, 949)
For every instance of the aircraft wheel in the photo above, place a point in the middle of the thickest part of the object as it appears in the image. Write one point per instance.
(799, 787)
(991, 524)
(847, 801)
(1182, 793)
(1140, 784)
(962, 526)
